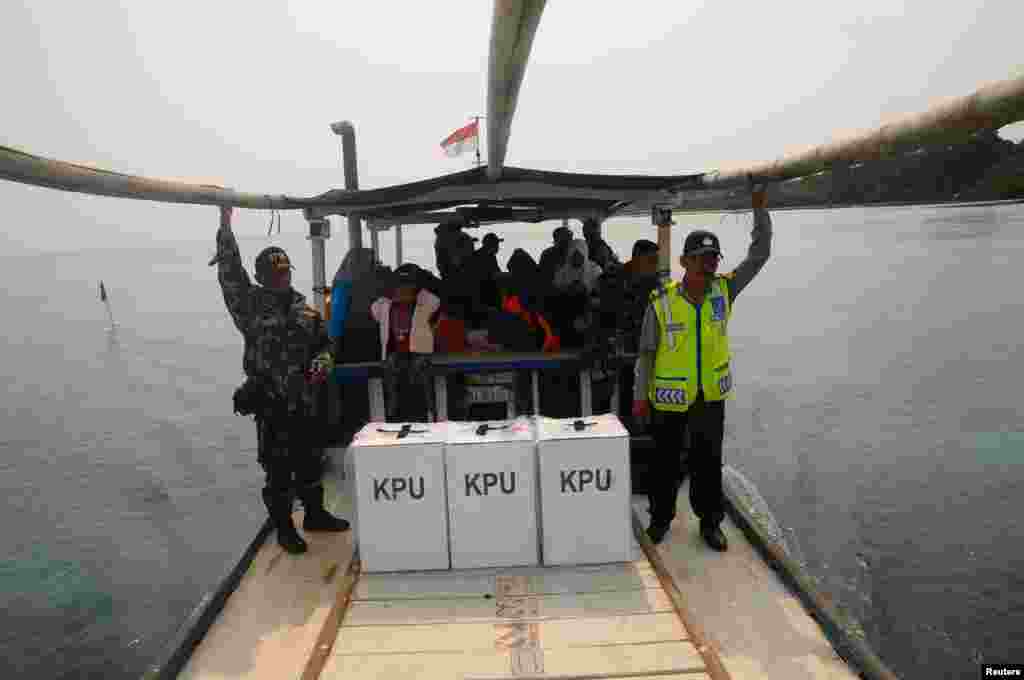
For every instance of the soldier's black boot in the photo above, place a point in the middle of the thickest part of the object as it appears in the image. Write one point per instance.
(317, 518)
(280, 508)
(713, 536)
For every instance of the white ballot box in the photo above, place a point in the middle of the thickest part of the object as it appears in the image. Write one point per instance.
(585, 490)
(492, 493)
(401, 511)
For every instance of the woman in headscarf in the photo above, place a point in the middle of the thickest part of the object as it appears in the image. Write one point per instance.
(574, 283)
(360, 280)
(578, 270)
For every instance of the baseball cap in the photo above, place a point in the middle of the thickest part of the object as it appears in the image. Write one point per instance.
(406, 275)
(565, 232)
(492, 238)
(270, 260)
(699, 242)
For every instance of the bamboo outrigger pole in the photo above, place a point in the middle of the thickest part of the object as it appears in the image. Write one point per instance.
(20, 166)
(989, 108)
(512, 31)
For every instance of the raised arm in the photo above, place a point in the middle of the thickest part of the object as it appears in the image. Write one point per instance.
(760, 246)
(234, 280)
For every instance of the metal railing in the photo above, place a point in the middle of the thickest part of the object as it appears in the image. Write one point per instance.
(442, 366)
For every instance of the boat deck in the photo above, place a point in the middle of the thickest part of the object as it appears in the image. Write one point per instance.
(677, 610)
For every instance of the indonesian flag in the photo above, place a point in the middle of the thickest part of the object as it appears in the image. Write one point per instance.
(463, 139)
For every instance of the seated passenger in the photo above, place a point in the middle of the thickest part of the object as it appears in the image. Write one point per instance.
(406, 320)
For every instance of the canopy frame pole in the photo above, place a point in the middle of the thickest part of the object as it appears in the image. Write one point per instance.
(319, 232)
(586, 396)
(398, 245)
(347, 131)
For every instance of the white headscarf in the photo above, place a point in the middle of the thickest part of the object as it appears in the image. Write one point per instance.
(587, 274)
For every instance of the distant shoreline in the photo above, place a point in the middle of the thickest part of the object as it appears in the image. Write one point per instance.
(891, 204)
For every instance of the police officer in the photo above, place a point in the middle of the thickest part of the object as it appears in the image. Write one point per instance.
(282, 334)
(684, 372)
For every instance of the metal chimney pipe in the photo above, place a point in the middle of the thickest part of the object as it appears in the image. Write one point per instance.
(347, 132)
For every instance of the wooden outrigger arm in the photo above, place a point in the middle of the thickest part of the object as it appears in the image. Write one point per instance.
(21, 166)
(989, 108)
(512, 30)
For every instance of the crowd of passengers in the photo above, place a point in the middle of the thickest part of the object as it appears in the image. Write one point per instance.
(579, 296)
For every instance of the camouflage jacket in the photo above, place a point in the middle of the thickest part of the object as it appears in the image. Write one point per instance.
(280, 339)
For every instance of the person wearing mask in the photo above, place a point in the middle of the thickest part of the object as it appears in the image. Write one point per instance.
(684, 372)
(599, 250)
(282, 335)
(406, 320)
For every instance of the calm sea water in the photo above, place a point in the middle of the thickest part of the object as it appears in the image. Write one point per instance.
(879, 361)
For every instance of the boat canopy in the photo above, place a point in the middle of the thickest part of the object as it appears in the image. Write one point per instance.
(520, 195)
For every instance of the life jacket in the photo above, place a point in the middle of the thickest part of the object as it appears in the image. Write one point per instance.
(512, 305)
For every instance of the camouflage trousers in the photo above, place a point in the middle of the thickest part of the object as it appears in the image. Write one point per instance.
(289, 453)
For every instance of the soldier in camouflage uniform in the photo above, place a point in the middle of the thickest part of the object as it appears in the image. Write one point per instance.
(282, 335)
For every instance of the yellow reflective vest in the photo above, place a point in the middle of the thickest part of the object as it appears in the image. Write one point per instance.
(693, 351)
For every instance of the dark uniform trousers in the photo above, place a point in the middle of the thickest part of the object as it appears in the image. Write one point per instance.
(706, 424)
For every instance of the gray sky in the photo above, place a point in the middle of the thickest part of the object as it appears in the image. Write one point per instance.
(209, 91)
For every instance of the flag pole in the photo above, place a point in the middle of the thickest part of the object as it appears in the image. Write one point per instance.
(477, 120)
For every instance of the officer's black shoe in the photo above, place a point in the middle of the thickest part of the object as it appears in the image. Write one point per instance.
(656, 532)
(713, 536)
(317, 518)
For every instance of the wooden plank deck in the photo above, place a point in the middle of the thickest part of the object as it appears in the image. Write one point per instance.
(270, 625)
(288, 618)
(757, 626)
